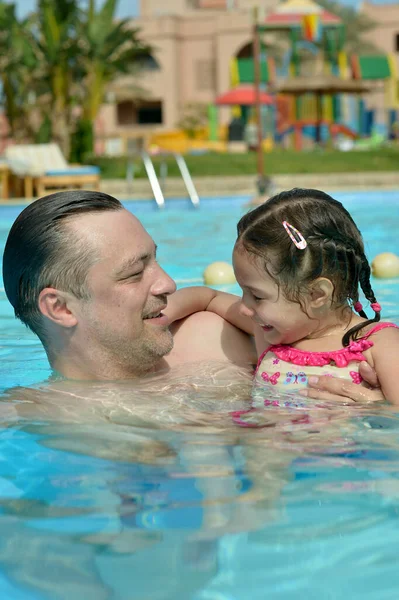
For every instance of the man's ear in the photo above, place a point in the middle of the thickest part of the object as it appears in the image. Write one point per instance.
(321, 293)
(57, 306)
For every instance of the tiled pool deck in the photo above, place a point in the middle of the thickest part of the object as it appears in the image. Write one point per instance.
(140, 189)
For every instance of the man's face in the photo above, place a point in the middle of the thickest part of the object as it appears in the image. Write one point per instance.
(123, 322)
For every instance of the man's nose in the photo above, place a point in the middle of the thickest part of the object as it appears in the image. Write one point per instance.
(163, 285)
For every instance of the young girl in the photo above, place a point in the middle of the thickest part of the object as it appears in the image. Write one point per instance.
(299, 260)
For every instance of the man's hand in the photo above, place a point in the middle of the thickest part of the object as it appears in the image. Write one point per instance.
(336, 389)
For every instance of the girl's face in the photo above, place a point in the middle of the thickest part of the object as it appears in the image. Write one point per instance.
(283, 321)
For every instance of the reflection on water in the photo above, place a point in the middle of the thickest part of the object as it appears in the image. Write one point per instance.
(153, 491)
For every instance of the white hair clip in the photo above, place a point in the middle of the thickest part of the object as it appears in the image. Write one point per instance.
(295, 235)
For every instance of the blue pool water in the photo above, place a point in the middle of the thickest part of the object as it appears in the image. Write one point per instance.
(123, 511)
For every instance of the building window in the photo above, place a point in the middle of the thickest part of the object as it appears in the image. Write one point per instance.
(204, 75)
(396, 42)
(246, 51)
(150, 113)
(145, 113)
(126, 113)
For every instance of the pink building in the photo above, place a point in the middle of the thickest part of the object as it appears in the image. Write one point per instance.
(386, 35)
(386, 38)
(194, 42)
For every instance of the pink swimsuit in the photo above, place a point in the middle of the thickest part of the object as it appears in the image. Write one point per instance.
(286, 369)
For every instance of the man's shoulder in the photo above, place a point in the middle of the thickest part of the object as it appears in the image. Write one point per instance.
(206, 336)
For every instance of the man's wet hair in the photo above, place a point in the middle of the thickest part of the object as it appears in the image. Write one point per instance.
(43, 251)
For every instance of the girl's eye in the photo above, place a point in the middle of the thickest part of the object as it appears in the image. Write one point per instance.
(256, 298)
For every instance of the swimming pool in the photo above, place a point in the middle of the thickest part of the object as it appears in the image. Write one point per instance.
(125, 512)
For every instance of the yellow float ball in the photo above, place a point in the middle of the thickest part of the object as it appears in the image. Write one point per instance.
(385, 265)
(219, 273)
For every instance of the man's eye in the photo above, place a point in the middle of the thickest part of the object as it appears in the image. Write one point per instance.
(135, 275)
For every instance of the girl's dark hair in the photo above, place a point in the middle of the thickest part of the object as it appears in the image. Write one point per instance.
(335, 248)
(41, 251)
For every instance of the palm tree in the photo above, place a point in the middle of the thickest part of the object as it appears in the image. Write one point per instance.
(60, 59)
(54, 35)
(356, 26)
(108, 48)
(18, 63)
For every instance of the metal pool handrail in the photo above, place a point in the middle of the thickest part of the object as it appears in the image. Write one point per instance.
(188, 181)
(153, 179)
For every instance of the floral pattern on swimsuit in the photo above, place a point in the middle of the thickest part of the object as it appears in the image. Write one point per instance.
(283, 370)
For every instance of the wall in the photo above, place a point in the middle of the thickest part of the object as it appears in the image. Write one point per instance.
(154, 8)
(386, 16)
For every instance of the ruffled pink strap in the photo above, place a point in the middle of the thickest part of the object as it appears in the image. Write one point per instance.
(342, 358)
(378, 327)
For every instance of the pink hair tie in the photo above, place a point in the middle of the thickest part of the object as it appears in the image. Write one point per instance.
(376, 307)
(358, 306)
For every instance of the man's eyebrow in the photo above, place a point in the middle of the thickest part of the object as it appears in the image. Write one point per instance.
(132, 261)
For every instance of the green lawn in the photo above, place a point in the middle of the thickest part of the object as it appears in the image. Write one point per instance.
(277, 162)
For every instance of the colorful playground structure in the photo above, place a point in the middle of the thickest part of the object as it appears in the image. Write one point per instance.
(316, 42)
(308, 113)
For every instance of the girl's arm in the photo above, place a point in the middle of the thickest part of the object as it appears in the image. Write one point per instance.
(190, 300)
(385, 354)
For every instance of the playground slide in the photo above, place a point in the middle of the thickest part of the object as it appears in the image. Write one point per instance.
(337, 128)
(308, 129)
(288, 129)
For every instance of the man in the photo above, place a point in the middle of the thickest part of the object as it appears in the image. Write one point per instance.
(81, 273)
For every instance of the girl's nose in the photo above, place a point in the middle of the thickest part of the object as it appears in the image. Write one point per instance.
(245, 310)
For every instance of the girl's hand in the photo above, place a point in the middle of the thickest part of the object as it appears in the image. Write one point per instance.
(336, 389)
